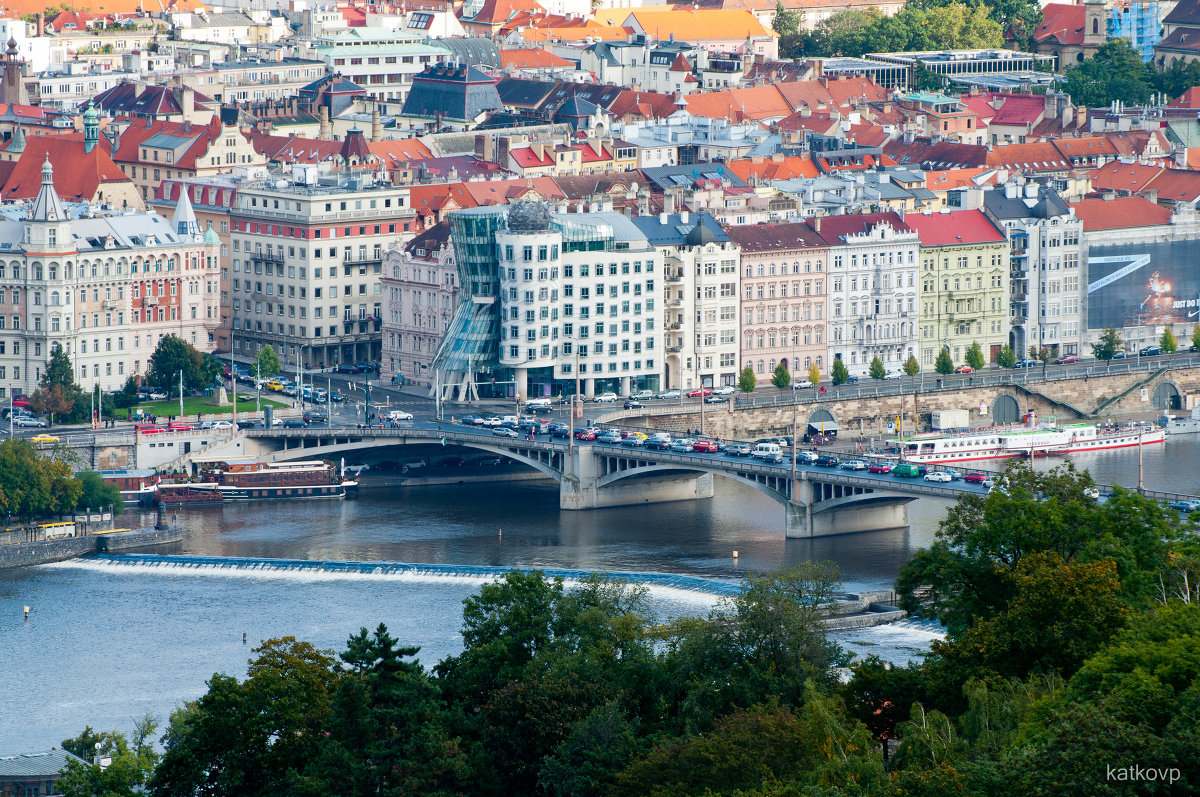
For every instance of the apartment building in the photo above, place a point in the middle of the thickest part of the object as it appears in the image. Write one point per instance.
(420, 293)
(104, 288)
(700, 265)
(382, 61)
(307, 260)
(783, 297)
(1047, 267)
(872, 289)
(964, 284)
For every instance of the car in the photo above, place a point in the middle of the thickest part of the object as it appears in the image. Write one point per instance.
(658, 445)
(633, 405)
(667, 394)
(1066, 359)
(807, 457)
(559, 429)
(347, 368)
(975, 477)
(964, 369)
(315, 417)
(606, 398)
(642, 395)
(336, 396)
(706, 446)
(22, 402)
(853, 464)
(43, 438)
(801, 383)
(399, 415)
(609, 436)
(1121, 355)
(906, 470)
(896, 375)
(851, 379)
(26, 422)
(250, 424)
(880, 467)
(157, 395)
(826, 461)
(699, 392)
(633, 441)
(489, 461)
(682, 447)
(220, 425)
(491, 420)
(1185, 505)
(504, 431)
(723, 390)
(716, 400)
(1025, 364)
(471, 420)
(939, 476)
(772, 459)
(294, 423)
(586, 434)
(737, 450)
(452, 462)
(1150, 351)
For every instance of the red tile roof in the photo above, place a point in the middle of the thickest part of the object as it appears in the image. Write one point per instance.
(642, 104)
(501, 192)
(853, 90)
(526, 158)
(1017, 109)
(774, 237)
(1037, 157)
(531, 58)
(787, 168)
(1061, 22)
(955, 228)
(1189, 99)
(78, 176)
(738, 105)
(196, 137)
(1089, 147)
(814, 121)
(948, 179)
(497, 12)
(1120, 213)
(834, 229)
(1177, 185)
(1117, 176)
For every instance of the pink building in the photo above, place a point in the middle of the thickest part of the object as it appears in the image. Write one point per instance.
(784, 297)
(420, 289)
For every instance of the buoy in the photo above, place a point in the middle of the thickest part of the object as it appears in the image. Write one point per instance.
(500, 533)
(243, 637)
(735, 556)
(26, 612)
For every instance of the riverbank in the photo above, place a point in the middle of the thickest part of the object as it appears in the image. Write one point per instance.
(46, 551)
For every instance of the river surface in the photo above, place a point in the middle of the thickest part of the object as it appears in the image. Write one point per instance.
(107, 641)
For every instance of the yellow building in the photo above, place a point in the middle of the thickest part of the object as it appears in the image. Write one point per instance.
(964, 295)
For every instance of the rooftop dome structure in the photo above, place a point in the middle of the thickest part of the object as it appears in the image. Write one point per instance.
(528, 217)
(701, 234)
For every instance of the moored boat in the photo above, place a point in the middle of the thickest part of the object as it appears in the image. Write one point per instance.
(137, 486)
(252, 480)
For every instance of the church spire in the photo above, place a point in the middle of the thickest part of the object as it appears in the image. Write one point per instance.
(47, 206)
(184, 219)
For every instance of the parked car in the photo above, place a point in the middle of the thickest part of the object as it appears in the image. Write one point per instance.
(1150, 351)
(939, 476)
(157, 395)
(1185, 505)
(26, 422)
(607, 398)
(1025, 364)
(504, 431)
(705, 446)
(634, 405)
(807, 457)
(667, 394)
(826, 461)
(738, 450)
(964, 369)
(975, 477)
(633, 441)
(1066, 359)
(880, 467)
(853, 464)
(699, 392)
(682, 446)
(716, 400)
(723, 390)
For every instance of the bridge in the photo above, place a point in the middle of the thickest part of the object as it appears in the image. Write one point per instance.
(817, 501)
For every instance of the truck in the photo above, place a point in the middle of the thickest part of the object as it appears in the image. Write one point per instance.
(950, 419)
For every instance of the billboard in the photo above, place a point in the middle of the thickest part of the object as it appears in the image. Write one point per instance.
(1153, 283)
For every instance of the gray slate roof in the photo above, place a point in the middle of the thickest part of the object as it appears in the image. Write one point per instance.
(44, 764)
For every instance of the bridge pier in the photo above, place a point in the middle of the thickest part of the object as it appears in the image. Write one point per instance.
(580, 487)
(822, 510)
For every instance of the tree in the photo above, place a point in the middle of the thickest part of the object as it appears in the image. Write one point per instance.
(1196, 328)
(132, 762)
(1006, 358)
(943, 364)
(975, 357)
(95, 492)
(781, 378)
(911, 366)
(173, 355)
(1167, 342)
(786, 23)
(31, 486)
(814, 375)
(1107, 347)
(1114, 72)
(1043, 354)
(57, 392)
(746, 380)
(877, 371)
(268, 362)
(839, 373)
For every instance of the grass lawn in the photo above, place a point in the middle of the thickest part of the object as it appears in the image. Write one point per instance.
(194, 404)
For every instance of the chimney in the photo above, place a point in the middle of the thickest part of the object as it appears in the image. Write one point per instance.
(324, 129)
(376, 124)
(684, 216)
(816, 224)
(39, 22)
(669, 204)
(1151, 194)
(1010, 190)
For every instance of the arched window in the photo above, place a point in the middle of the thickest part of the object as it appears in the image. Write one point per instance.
(53, 298)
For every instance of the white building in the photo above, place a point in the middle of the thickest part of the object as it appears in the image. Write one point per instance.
(701, 295)
(580, 289)
(382, 61)
(873, 262)
(420, 292)
(105, 288)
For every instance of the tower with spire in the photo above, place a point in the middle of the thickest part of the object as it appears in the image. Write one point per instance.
(49, 227)
(91, 128)
(184, 221)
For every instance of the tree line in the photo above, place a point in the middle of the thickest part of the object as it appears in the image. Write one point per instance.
(1072, 644)
(33, 486)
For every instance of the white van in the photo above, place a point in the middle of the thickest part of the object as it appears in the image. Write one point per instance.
(766, 451)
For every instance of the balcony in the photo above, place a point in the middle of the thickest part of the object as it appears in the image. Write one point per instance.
(267, 257)
(673, 302)
(674, 349)
(364, 260)
(674, 277)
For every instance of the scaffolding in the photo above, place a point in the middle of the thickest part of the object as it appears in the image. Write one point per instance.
(1139, 21)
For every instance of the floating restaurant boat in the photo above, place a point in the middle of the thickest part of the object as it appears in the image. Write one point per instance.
(1024, 440)
(241, 480)
(137, 486)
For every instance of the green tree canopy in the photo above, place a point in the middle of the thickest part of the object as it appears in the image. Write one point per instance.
(1167, 342)
(876, 370)
(1109, 344)
(746, 380)
(1006, 358)
(132, 762)
(267, 362)
(95, 492)
(814, 375)
(32, 486)
(174, 355)
(911, 366)
(1114, 72)
(975, 357)
(839, 372)
(780, 377)
(1196, 327)
(943, 364)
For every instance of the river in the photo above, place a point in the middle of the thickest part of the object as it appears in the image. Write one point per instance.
(106, 643)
